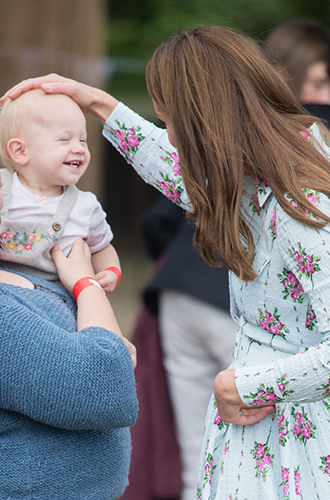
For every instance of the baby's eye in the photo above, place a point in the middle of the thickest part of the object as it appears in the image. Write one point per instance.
(64, 139)
(84, 141)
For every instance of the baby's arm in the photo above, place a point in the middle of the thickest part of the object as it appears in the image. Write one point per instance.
(102, 260)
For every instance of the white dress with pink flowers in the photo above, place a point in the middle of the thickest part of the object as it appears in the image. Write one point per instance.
(282, 350)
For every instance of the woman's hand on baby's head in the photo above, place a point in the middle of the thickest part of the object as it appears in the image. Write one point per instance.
(54, 84)
(29, 84)
(77, 265)
(90, 99)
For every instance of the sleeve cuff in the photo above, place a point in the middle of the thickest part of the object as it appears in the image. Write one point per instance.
(257, 385)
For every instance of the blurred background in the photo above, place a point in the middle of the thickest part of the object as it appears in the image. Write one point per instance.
(107, 44)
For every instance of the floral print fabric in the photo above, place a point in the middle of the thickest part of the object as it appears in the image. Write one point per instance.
(282, 349)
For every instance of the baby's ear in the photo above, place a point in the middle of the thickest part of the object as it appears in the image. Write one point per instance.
(17, 151)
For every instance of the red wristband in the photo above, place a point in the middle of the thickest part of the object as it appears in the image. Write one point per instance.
(83, 283)
(116, 271)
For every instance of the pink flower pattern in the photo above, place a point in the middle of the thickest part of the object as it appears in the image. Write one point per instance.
(297, 482)
(129, 139)
(263, 459)
(283, 426)
(271, 323)
(209, 469)
(303, 429)
(225, 451)
(219, 422)
(325, 466)
(273, 226)
(325, 388)
(267, 394)
(310, 318)
(312, 196)
(261, 187)
(171, 187)
(305, 265)
(285, 483)
(292, 287)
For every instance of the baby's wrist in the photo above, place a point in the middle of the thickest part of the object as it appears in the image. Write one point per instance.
(117, 272)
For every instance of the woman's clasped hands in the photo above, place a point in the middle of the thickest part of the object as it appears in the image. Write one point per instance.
(230, 406)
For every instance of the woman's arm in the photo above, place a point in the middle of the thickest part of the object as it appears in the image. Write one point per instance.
(305, 376)
(142, 144)
(147, 148)
(230, 406)
(90, 99)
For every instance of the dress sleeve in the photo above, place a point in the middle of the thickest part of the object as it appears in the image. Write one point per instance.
(303, 377)
(147, 149)
(100, 233)
(71, 380)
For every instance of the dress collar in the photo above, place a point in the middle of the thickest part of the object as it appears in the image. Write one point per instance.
(256, 193)
(263, 191)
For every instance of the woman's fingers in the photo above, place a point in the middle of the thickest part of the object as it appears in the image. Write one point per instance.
(25, 85)
(242, 414)
(77, 265)
(90, 99)
(253, 415)
(54, 84)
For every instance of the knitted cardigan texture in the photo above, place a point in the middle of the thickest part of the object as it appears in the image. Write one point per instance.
(67, 399)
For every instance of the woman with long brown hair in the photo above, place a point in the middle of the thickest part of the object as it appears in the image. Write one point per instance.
(254, 173)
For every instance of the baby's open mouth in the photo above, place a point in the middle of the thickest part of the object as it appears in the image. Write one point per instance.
(75, 163)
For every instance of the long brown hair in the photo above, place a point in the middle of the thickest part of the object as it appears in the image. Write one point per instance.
(232, 115)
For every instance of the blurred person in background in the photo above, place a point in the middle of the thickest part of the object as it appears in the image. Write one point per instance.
(300, 51)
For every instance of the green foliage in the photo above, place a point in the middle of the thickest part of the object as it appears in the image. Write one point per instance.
(136, 28)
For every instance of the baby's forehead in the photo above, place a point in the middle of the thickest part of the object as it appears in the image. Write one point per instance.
(45, 107)
(41, 101)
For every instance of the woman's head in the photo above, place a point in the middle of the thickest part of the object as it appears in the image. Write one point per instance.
(231, 114)
(300, 51)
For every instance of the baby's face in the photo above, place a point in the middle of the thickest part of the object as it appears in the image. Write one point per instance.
(56, 142)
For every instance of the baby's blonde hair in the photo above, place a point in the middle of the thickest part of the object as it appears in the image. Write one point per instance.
(16, 114)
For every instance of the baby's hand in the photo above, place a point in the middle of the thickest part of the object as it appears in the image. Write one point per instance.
(108, 281)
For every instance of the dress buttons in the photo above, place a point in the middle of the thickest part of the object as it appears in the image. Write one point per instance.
(56, 226)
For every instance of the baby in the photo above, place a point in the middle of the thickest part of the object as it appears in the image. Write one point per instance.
(43, 145)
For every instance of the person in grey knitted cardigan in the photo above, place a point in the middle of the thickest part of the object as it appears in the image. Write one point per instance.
(67, 390)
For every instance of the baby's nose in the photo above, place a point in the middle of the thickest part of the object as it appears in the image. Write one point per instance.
(78, 147)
